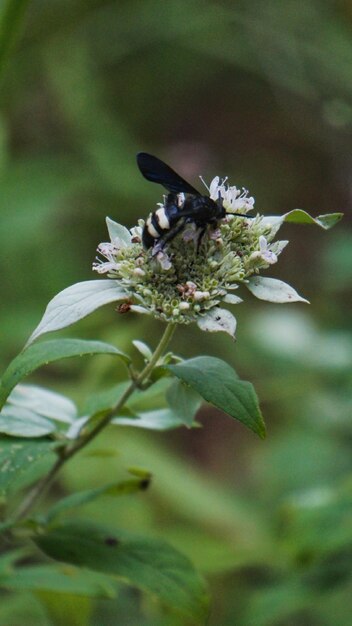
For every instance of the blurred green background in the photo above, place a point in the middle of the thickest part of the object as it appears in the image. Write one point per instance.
(258, 91)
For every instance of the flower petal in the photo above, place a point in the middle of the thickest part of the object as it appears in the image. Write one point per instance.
(76, 302)
(273, 290)
(278, 246)
(269, 257)
(218, 320)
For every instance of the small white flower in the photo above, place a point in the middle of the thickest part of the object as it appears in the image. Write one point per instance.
(201, 295)
(164, 260)
(136, 232)
(234, 200)
(267, 255)
(264, 253)
(107, 250)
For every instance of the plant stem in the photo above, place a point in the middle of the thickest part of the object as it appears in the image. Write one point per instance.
(72, 448)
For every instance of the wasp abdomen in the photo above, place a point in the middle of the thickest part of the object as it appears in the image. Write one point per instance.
(159, 222)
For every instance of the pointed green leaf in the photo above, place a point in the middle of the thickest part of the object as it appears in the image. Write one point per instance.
(143, 348)
(47, 352)
(118, 233)
(184, 401)
(218, 384)
(159, 419)
(148, 564)
(273, 290)
(122, 488)
(298, 216)
(18, 456)
(218, 320)
(16, 421)
(76, 302)
(44, 402)
(61, 579)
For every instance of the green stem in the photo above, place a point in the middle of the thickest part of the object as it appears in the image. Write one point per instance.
(71, 449)
(11, 17)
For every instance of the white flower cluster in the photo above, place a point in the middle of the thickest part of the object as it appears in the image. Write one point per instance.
(183, 283)
(234, 200)
(186, 282)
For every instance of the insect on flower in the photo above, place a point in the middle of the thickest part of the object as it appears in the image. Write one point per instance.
(177, 211)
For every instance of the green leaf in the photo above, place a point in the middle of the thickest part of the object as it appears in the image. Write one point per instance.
(118, 233)
(143, 348)
(184, 401)
(273, 290)
(298, 216)
(44, 402)
(17, 421)
(159, 419)
(17, 456)
(218, 320)
(148, 564)
(61, 579)
(76, 302)
(133, 485)
(218, 384)
(47, 352)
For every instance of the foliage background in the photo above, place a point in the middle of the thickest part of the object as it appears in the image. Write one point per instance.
(261, 92)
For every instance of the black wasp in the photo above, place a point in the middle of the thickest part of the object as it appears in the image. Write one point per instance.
(170, 219)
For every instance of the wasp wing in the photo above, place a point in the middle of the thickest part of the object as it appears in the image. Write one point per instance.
(157, 171)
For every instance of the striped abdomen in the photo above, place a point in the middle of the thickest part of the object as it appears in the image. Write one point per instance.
(159, 223)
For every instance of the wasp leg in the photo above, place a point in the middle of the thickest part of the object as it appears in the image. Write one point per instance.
(200, 237)
(169, 236)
